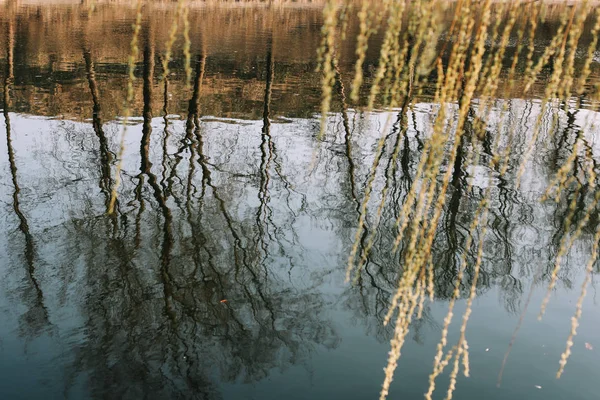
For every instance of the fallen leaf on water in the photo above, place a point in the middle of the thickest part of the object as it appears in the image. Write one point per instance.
(589, 346)
(223, 301)
(538, 387)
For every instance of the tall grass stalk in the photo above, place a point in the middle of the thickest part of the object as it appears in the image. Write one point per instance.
(133, 55)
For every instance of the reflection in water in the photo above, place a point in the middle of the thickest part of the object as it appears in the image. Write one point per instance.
(224, 263)
(106, 156)
(37, 316)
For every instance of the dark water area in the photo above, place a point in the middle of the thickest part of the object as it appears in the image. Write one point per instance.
(221, 275)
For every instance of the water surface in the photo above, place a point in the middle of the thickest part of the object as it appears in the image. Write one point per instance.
(222, 272)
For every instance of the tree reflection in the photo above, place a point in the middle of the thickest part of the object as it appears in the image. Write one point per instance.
(215, 272)
(186, 299)
(508, 260)
(36, 318)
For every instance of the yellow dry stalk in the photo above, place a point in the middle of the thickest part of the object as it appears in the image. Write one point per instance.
(396, 302)
(578, 309)
(438, 365)
(430, 276)
(591, 181)
(585, 71)
(498, 17)
(531, 72)
(480, 214)
(563, 249)
(418, 268)
(362, 44)
(133, 55)
(419, 256)
(550, 91)
(398, 81)
(493, 72)
(560, 181)
(533, 20)
(390, 38)
(544, 10)
(412, 260)
(457, 10)
(472, 76)
(479, 48)
(462, 346)
(413, 266)
(365, 202)
(575, 32)
(391, 78)
(91, 6)
(426, 198)
(383, 197)
(562, 175)
(432, 153)
(444, 361)
(345, 11)
(397, 77)
(491, 77)
(425, 32)
(485, 201)
(582, 80)
(590, 169)
(326, 55)
(429, 52)
(187, 45)
(423, 282)
(171, 39)
(409, 303)
(426, 191)
(565, 244)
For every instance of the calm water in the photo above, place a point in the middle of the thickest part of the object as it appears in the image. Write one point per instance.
(222, 273)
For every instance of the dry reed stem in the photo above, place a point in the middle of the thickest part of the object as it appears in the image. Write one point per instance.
(186, 45)
(134, 52)
(552, 88)
(578, 310)
(362, 43)
(326, 55)
(426, 196)
(590, 55)
(171, 39)
(365, 202)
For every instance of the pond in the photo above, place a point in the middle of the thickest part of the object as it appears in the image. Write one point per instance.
(223, 270)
